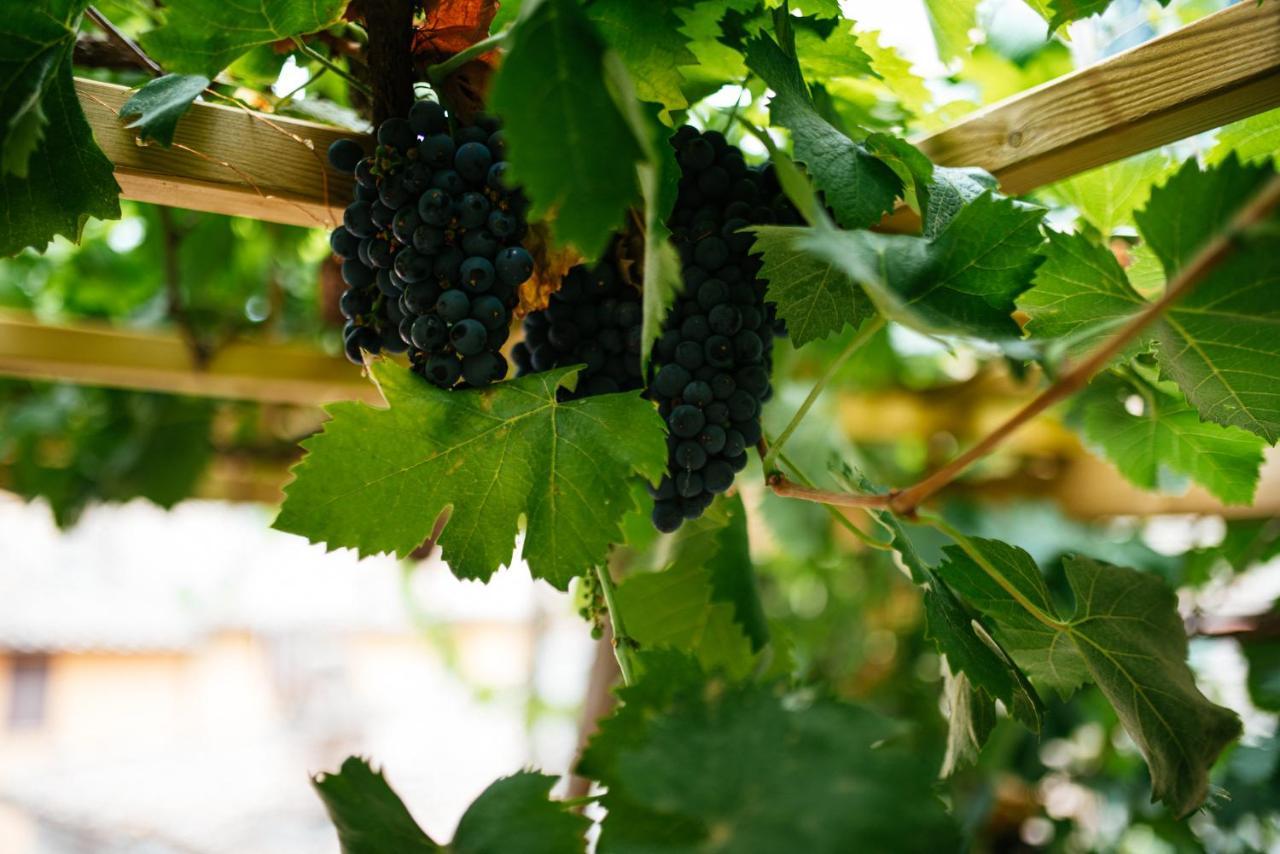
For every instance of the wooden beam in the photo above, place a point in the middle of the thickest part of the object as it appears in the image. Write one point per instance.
(98, 354)
(1222, 68)
(225, 160)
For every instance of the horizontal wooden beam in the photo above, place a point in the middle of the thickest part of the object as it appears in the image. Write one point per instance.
(98, 354)
(224, 160)
(1222, 68)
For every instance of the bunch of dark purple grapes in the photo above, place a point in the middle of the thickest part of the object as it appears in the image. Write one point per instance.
(711, 365)
(594, 319)
(431, 246)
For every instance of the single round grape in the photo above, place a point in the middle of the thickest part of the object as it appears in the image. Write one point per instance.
(717, 412)
(449, 181)
(481, 369)
(428, 333)
(354, 303)
(743, 405)
(667, 343)
(364, 174)
(711, 438)
(381, 213)
(497, 143)
(356, 275)
(343, 243)
(753, 379)
(490, 311)
(427, 118)
(686, 421)
(472, 161)
(502, 224)
(358, 219)
(435, 208)
(406, 330)
(405, 222)
(480, 241)
(697, 154)
(428, 239)
(393, 194)
(717, 476)
(719, 351)
(437, 150)
(738, 463)
(380, 255)
(477, 274)
(497, 177)
(695, 328)
(690, 455)
(468, 336)
(722, 385)
(725, 319)
(689, 355)
(389, 284)
(410, 265)
(514, 265)
(473, 210)
(443, 370)
(417, 177)
(396, 133)
(453, 305)
(750, 430)
(420, 297)
(474, 133)
(667, 516)
(688, 484)
(497, 337)
(697, 393)
(344, 154)
(733, 444)
(671, 380)
(711, 253)
(361, 338)
(448, 265)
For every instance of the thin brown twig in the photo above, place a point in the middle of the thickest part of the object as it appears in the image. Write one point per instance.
(124, 41)
(200, 350)
(906, 501)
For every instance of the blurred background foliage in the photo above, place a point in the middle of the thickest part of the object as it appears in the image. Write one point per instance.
(850, 617)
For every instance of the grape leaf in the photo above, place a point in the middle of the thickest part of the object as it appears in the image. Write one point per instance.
(647, 38)
(369, 816)
(1107, 197)
(971, 715)
(37, 42)
(205, 36)
(377, 479)
(1254, 138)
(827, 49)
(159, 104)
(514, 815)
(814, 296)
(1125, 635)
(1066, 11)
(571, 146)
(858, 186)
(1081, 293)
(692, 764)
(68, 179)
(1263, 656)
(1167, 441)
(1246, 542)
(963, 281)
(951, 21)
(1221, 342)
(733, 578)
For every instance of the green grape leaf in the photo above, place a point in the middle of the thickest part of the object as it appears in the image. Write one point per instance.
(963, 281)
(1167, 442)
(38, 38)
(1221, 342)
(1080, 293)
(68, 179)
(376, 479)
(514, 815)
(1125, 635)
(733, 577)
(205, 36)
(369, 816)
(1066, 11)
(951, 21)
(647, 38)
(1246, 542)
(1107, 197)
(814, 296)
(571, 146)
(971, 715)
(859, 187)
(694, 764)
(1263, 657)
(159, 104)
(913, 168)
(1252, 139)
(829, 48)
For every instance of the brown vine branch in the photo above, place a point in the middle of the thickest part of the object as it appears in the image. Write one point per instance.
(906, 501)
(124, 42)
(201, 351)
(390, 27)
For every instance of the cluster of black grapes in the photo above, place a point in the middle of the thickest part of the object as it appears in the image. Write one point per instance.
(431, 246)
(712, 363)
(594, 319)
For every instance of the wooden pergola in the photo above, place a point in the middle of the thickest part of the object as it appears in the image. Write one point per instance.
(226, 160)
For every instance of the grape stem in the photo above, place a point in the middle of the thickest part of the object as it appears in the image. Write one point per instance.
(864, 334)
(623, 645)
(905, 502)
(438, 72)
(319, 57)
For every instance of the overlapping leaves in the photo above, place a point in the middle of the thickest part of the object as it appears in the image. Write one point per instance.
(376, 479)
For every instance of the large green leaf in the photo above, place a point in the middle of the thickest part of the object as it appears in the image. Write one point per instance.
(1221, 342)
(648, 39)
(1107, 197)
(859, 187)
(1125, 635)
(159, 104)
(514, 815)
(814, 296)
(963, 281)
(1165, 442)
(951, 21)
(695, 765)
(1254, 138)
(571, 146)
(376, 479)
(205, 36)
(1065, 11)
(53, 177)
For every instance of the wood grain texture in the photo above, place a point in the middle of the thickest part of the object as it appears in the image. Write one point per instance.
(225, 160)
(98, 354)
(1217, 70)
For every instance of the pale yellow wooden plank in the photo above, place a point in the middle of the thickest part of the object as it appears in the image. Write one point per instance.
(98, 354)
(224, 160)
